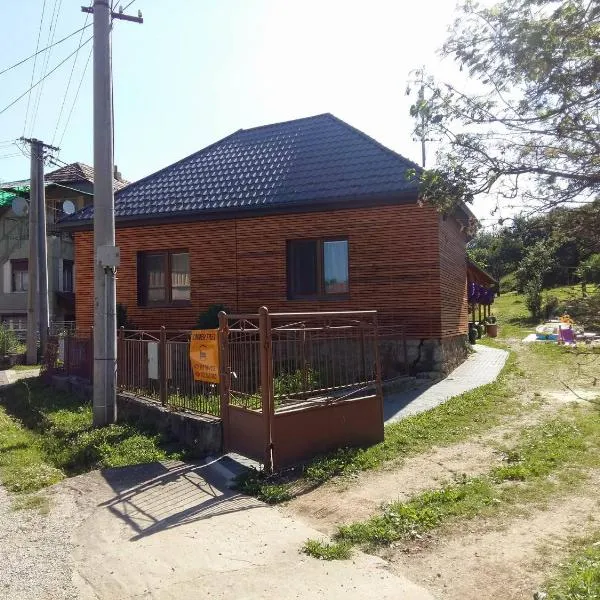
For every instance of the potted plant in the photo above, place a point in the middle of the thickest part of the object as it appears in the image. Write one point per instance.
(491, 326)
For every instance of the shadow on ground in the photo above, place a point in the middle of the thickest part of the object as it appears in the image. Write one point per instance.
(154, 497)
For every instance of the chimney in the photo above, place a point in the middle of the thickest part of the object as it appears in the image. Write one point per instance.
(116, 173)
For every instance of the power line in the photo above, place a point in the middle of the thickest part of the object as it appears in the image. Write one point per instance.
(76, 97)
(62, 106)
(51, 34)
(44, 49)
(34, 64)
(62, 62)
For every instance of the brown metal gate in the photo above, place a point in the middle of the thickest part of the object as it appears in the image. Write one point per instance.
(294, 385)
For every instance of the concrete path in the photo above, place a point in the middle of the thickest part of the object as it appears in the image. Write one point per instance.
(483, 366)
(176, 531)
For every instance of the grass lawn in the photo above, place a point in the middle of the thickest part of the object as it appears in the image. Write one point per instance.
(579, 578)
(46, 435)
(514, 318)
(548, 458)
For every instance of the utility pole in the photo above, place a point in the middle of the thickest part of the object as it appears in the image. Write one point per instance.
(33, 313)
(38, 317)
(106, 254)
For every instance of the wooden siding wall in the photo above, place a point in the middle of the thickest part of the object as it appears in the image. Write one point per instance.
(453, 275)
(394, 262)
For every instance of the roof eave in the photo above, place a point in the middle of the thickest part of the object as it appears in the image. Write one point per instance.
(363, 201)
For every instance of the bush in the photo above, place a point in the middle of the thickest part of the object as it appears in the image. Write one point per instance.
(585, 311)
(285, 384)
(9, 342)
(533, 298)
(209, 319)
(551, 307)
(589, 270)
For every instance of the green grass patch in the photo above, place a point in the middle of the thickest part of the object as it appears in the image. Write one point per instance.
(35, 502)
(264, 487)
(32, 368)
(579, 578)
(455, 420)
(327, 551)
(46, 435)
(546, 458)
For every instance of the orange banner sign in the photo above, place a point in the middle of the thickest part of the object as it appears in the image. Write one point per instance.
(204, 355)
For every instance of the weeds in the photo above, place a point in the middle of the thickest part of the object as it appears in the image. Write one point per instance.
(32, 502)
(327, 551)
(579, 579)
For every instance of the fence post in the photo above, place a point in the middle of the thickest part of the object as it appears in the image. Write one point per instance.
(225, 377)
(121, 366)
(405, 348)
(66, 360)
(162, 365)
(378, 385)
(266, 382)
(90, 355)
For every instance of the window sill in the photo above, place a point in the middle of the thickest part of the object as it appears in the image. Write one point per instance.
(331, 298)
(172, 305)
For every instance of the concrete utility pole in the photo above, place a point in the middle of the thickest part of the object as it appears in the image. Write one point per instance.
(43, 257)
(38, 317)
(106, 254)
(33, 313)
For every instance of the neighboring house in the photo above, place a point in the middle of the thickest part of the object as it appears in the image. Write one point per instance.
(73, 182)
(307, 215)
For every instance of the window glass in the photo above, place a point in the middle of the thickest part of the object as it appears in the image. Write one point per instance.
(303, 268)
(335, 267)
(67, 275)
(180, 276)
(20, 275)
(156, 267)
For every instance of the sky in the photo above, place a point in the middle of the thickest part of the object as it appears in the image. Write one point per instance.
(198, 70)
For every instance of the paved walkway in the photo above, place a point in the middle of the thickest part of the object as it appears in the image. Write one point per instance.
(175, 531)
(483, 366)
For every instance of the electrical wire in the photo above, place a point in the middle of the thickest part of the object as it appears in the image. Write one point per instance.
(51, 34)
(62, 106)
(76, 97)
(62, 62)
(44, 49)
(34, 65)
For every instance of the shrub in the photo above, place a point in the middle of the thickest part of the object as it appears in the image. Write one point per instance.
(8, 340)
(209, 319)
(589, 270)
(550, 307)
(285, 384)
(533, 298)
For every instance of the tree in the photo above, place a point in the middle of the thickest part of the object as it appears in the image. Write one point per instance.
(531, 130)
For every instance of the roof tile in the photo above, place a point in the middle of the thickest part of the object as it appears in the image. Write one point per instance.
(308, 160)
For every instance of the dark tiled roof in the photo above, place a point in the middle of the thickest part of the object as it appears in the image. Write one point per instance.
(305, 161)
(77, 173)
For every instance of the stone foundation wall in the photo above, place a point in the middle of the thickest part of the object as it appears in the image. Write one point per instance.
(202, 434)
(433, 355)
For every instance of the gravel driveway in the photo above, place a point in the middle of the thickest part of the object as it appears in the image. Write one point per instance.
(36, 548)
